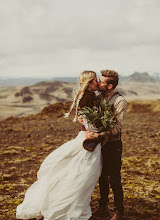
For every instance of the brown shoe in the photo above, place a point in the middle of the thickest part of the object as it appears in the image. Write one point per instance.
(117, 216)
(102, 211)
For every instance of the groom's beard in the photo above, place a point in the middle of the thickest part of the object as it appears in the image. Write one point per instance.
(104, 92)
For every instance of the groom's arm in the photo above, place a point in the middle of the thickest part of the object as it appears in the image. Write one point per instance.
(120, 107)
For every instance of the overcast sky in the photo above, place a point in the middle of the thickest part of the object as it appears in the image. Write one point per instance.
(64, 37)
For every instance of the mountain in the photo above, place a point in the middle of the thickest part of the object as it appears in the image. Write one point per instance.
(139, 78)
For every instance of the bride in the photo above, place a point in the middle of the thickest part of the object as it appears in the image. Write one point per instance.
(68, 176)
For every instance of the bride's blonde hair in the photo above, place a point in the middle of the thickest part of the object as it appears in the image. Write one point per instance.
(82, 85)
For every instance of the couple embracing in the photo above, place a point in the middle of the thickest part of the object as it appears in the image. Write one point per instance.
(68, 176)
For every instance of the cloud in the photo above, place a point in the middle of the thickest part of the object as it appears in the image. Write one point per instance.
(41, 36)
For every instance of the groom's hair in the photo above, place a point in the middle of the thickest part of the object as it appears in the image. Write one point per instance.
(112, 77)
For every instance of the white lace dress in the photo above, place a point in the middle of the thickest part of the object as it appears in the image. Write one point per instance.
(65, 182)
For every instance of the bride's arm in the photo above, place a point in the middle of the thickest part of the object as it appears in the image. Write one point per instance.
(88, 100)
(88, 126)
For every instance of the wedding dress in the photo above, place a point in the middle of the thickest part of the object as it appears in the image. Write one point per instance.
(65, 182)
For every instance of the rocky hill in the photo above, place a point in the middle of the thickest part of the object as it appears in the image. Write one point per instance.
(26, 100)
(50, 92)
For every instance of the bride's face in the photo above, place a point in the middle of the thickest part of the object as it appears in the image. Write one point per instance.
(93, 84)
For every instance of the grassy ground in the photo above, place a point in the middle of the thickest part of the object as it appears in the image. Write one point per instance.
(25, 142)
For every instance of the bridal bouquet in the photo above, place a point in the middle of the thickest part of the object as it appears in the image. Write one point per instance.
(101, 116)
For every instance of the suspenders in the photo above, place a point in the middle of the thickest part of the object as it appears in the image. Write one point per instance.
(115, 94)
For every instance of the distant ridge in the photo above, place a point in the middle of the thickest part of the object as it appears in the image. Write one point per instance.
(23, 81)
(28, 81)
(66, 79)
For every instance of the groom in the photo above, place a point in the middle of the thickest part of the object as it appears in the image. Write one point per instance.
(112, 147)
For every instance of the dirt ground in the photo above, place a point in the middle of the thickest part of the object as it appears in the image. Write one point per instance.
(26, 141)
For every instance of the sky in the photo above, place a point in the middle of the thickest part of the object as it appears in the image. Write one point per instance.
(59, 38)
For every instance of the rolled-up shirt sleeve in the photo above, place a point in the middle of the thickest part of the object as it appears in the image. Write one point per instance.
(120, 107)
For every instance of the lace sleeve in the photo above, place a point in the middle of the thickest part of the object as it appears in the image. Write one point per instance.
(88, 126)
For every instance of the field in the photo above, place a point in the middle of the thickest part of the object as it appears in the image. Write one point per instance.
(26, 141)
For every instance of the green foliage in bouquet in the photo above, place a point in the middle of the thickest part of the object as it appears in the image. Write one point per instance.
(101, 115)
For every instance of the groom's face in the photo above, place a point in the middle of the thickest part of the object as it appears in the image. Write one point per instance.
(102, 84)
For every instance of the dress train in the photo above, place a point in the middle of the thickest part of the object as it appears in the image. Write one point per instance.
(65, 182)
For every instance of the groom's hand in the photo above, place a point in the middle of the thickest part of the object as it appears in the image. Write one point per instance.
(91, 135)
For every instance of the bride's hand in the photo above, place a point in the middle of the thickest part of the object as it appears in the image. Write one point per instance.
(91, 135)
(80, 119)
